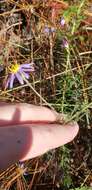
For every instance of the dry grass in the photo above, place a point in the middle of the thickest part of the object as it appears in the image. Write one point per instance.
(62, 80)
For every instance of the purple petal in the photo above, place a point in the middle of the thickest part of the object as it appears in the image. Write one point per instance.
(11, 80)
(7, 83)
(26, 65)
(47, 30)
(22, 166)
(19, 77)
(62, 21)
(65, 43)
(28, 70)
(26, 75)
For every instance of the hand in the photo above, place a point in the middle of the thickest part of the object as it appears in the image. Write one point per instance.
(27, 131)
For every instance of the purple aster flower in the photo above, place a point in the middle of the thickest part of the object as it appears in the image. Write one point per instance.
(17, 72)
(65, 43)
(22, 166)
(62, 21)
(49, 30)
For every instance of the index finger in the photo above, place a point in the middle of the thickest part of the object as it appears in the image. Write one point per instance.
(25, 113)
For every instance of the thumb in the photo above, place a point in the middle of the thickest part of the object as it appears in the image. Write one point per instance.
(49, 136)
(22, 142)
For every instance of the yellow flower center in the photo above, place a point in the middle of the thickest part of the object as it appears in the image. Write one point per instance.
(14, 68)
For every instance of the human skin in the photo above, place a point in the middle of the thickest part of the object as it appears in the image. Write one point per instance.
(27, 131)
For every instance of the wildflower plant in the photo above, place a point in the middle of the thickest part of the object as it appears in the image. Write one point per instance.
(49, 32)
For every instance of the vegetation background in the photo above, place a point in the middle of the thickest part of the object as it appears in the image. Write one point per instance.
(57, 37)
